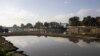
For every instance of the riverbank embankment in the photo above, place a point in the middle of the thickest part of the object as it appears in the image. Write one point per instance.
(85, 36)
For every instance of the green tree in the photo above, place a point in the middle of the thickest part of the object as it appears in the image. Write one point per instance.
(39, 25)
(74, 21)
(98, 21)
(1, 29)
(56, 27)
(22, 25)
(6, 30)
(15, 25)
(29, 25)
(46, 25)
(89, 21)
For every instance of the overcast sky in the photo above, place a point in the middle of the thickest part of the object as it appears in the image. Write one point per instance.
(31, 11)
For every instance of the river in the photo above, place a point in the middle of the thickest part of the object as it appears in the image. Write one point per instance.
(55, 46)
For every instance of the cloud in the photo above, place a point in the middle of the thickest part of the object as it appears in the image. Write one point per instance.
(66, 1)
(81, 13)
(86, 12)
(12, 15)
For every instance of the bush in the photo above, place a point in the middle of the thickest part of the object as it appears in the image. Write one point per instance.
(3, 52)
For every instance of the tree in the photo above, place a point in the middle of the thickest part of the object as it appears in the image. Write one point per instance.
(6, 30)
(15, 25)
(55, 27)
(98, 21)
(22, 25)
(89, 21)
(39, 25)
(74, 21)
(46, 25)
(1, 29)
(29, 25)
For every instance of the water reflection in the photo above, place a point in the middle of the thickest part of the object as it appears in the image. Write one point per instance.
(56, 46)
(74, 40)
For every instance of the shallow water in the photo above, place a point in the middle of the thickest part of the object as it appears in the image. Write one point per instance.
(55, 46)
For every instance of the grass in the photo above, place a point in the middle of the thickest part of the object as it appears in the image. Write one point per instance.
(4, 52)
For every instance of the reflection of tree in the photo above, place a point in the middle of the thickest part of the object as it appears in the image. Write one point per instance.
(91, 40)
(87, 41)
(74, 40)
(97, 40)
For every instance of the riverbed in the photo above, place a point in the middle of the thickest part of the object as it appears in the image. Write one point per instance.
(55, 46)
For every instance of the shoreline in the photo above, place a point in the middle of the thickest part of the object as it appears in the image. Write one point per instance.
(8, 47)
(84, 36)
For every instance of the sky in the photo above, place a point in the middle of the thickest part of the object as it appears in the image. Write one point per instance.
(31, 11)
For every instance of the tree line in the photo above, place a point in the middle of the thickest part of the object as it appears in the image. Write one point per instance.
(48, 26)
(58, 27)
(73, 21)
(87, 21)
